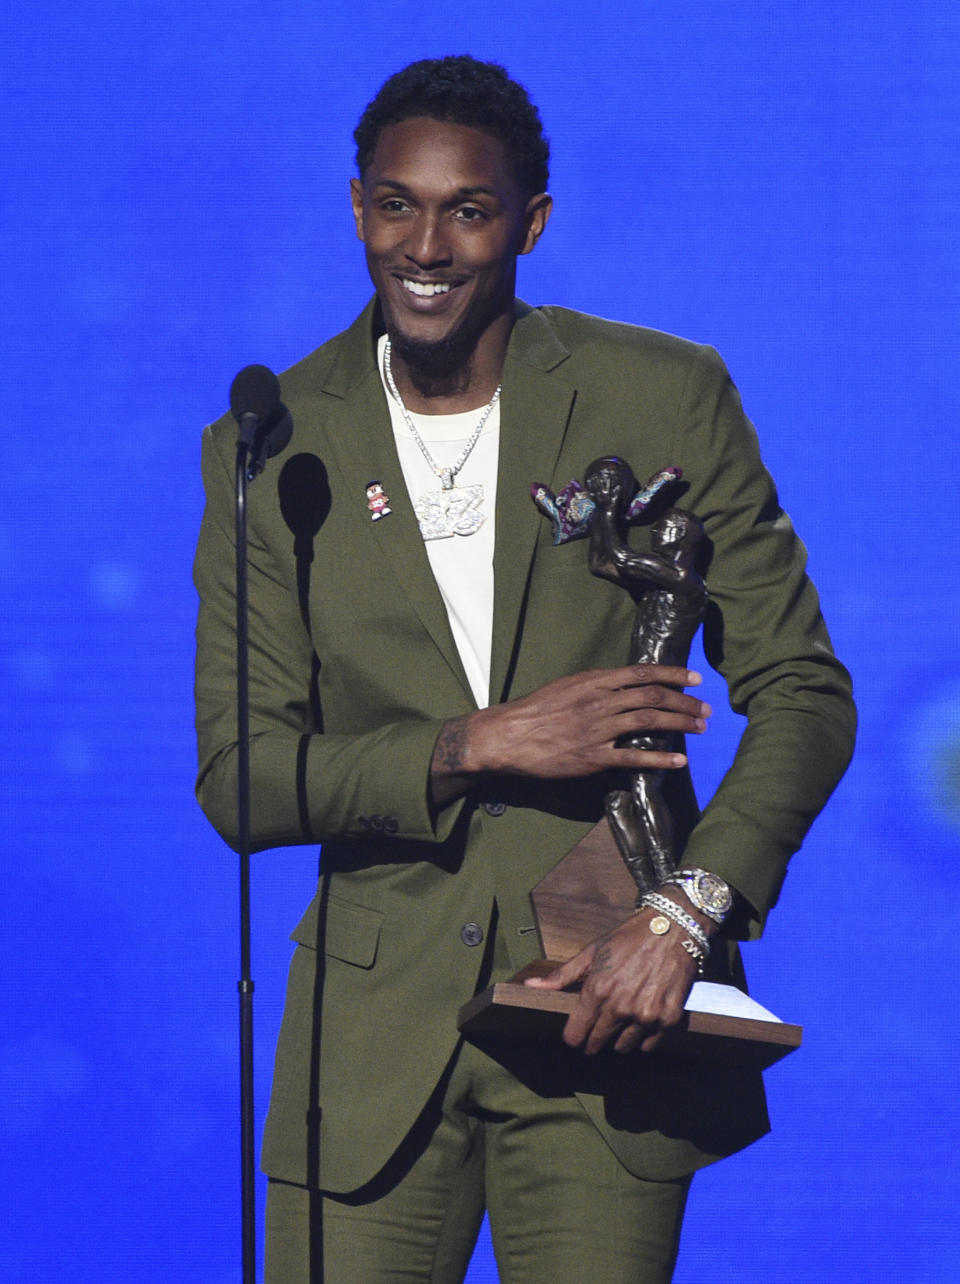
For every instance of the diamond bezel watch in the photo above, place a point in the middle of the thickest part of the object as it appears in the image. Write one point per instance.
(705, 891)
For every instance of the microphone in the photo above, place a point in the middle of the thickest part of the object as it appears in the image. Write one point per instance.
(254, 396)
(266, 424)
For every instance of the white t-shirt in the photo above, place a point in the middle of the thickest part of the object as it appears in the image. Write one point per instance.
(462, 565)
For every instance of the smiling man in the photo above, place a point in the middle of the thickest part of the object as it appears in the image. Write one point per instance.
(439, 698)
(443, 221)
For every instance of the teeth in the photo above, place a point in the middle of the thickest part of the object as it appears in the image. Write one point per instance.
(426, 291)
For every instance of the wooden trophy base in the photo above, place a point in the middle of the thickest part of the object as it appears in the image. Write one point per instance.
(590, 892)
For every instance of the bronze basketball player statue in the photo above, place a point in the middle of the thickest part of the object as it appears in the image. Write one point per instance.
(671, 600)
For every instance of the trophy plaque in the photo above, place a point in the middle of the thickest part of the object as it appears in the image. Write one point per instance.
(589, 892)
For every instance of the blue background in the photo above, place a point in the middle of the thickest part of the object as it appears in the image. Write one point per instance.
(782, 184)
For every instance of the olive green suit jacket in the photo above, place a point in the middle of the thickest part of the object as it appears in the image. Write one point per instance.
(354, 671)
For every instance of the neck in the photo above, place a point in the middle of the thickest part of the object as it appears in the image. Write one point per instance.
(450, 377)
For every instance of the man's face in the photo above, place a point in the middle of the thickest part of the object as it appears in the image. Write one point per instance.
(443, 222)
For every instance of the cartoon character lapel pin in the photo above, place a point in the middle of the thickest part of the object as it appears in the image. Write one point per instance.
(377, 501)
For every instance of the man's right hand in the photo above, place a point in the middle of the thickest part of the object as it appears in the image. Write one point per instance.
(569, 728)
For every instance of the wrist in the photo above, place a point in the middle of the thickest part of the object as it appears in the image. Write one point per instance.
(484, 739)
(450, 775)
(707, 925)
(664, 917)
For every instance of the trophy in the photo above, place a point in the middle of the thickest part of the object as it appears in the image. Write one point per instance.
(630, 852)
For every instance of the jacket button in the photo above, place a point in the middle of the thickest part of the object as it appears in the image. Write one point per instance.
(471, 934)
(494, 808)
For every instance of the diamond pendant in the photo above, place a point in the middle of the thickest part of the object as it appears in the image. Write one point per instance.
(448, 512)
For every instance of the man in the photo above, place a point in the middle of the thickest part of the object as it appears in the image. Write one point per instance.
(439, 698)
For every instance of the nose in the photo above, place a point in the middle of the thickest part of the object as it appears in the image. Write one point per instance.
(427, 246)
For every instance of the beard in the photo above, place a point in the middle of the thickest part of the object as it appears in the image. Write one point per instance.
(438, 367)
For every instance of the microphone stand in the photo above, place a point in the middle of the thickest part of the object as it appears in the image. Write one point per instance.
(248, 427)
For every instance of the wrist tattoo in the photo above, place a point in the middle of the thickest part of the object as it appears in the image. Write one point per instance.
(448, 752)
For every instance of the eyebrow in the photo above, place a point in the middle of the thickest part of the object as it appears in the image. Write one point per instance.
(477, 189)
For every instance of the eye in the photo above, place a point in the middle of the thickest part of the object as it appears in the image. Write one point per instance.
(470, 214)
(394, 205)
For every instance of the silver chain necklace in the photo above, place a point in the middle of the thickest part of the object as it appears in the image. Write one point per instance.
(453, 510)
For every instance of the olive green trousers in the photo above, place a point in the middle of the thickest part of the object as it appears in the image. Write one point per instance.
(563, 1209)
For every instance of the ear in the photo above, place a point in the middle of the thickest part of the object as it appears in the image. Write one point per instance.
(535, 215)
(356, 200)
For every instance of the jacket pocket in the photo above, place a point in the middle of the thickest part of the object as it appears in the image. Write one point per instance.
(352, 931)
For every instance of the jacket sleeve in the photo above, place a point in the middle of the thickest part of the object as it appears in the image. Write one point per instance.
(306, 785)
(764, 633)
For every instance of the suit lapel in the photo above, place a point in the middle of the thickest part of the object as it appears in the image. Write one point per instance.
(535, 410)
(361, 440)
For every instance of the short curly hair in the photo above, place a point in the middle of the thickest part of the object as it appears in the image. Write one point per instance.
(463, 91)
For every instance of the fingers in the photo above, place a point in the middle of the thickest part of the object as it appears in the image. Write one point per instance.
(600, 1020)
(646, 705)
(642, 720)
(634, 989)
(659, 696)
(647, 697)
(632, 1038)
(647, 719)
(631, 677)
(600, 1033)
(577, 725)
(670, 675)
(569, 973)
(597, 1027)
(583, 1023)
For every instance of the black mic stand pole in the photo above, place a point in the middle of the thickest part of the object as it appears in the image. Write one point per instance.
(248, 427)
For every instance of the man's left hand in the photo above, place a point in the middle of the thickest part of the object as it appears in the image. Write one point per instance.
(634, 986)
